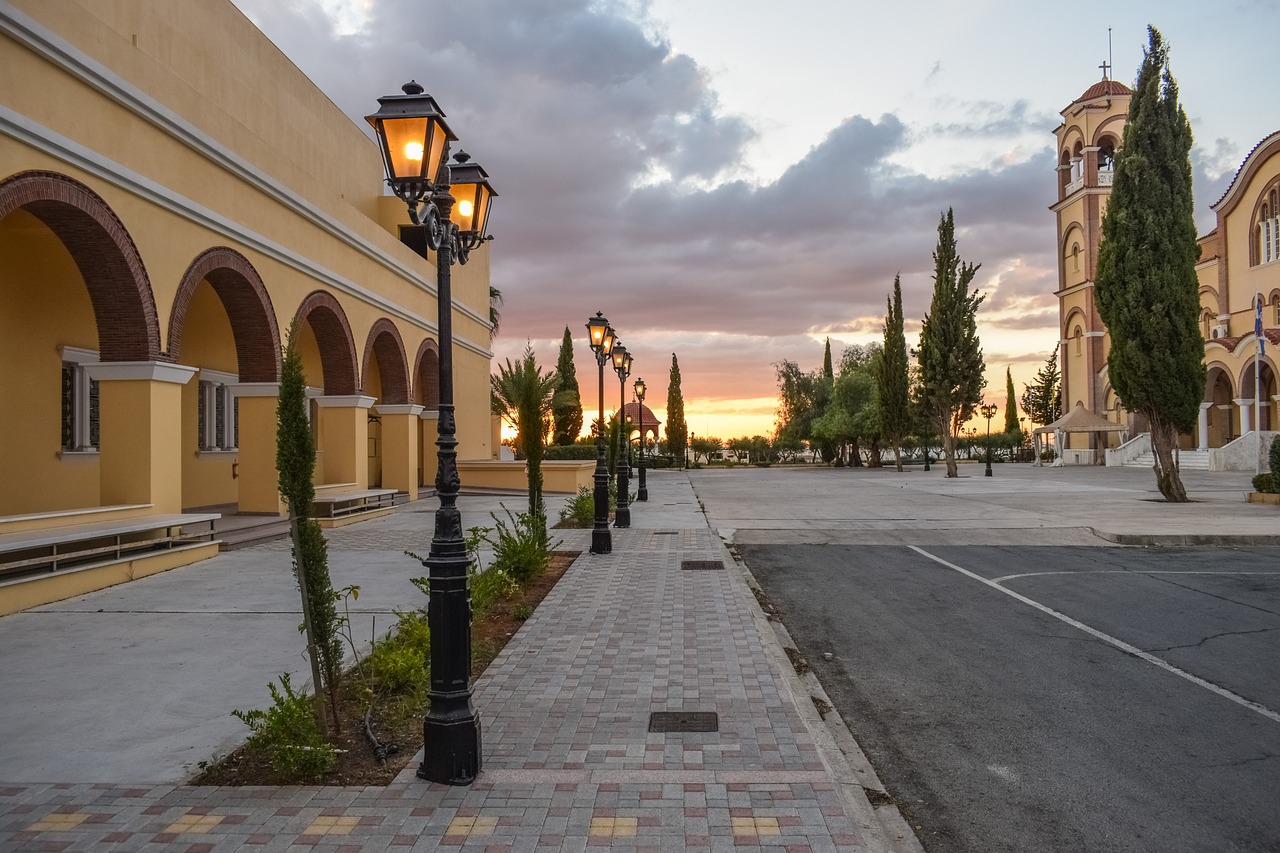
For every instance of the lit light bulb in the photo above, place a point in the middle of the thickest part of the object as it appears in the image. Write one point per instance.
(465, 208)
(413, 150)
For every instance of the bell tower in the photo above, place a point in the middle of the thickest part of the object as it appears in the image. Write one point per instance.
(1091, 131)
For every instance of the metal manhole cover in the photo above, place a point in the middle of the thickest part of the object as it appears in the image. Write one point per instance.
(684, 721)
(701, 565)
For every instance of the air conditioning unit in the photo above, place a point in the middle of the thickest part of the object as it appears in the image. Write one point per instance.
(1219, 331)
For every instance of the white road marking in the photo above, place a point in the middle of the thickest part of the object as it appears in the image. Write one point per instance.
(1123, 572)
(1107, 638)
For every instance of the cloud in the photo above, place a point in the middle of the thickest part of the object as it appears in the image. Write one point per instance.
(616, 167)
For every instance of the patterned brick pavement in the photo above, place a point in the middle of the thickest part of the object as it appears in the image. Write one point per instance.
(569, 761)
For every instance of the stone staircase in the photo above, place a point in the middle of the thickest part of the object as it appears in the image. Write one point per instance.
(1188, 460)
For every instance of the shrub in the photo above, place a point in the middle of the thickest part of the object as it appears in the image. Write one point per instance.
(520, 549)
(289, 734)
(571, 451)
(1274, 458)
(579, 510)
(402, 659)
(1267, 484)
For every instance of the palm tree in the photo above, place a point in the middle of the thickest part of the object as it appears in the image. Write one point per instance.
(495, 313)
(522, 396)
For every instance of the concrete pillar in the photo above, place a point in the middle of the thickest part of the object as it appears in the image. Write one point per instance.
(429, 431)
(257, 480)
(1246, 407)
(140, 432)
(1202, 427)
(343, 438)
(400, 447)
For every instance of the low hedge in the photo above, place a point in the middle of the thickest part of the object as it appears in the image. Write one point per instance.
(570, 451)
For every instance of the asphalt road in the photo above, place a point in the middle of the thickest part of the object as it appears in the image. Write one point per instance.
(1128, 700)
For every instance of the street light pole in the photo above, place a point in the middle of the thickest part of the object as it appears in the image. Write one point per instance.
(988, 410)
(414, 142)
(622, 366)
(642, 493)
(601, 340)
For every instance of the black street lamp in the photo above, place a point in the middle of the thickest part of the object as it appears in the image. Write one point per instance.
(642, 492)
(987, 411)
(601, 339)
(622, 366)
(414, 141)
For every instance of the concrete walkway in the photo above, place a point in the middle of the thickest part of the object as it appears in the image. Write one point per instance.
(112, 699)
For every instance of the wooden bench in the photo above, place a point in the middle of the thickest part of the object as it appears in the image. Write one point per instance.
(342, 504)
(42, 551)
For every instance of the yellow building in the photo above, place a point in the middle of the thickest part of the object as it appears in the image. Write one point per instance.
(1238, 261)
(174, 194)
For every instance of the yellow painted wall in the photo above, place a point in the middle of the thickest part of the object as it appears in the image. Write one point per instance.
(206, 62)
(37, 274)
(207, 343)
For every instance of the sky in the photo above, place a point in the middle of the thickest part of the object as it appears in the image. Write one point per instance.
(733, 181)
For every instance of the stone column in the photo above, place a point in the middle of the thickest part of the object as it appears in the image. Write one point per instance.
(257, 479)
(1202, 427)
(1246, 407)
(140, 432)
(344, 440)
(400, 447)
(429, 431)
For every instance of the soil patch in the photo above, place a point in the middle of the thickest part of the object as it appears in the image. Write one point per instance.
(396, 722)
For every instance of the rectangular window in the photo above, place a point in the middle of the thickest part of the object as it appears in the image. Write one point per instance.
(216, 409)
(79, 401)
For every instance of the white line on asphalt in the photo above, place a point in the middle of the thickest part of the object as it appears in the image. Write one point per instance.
(1121, 572)
(1107, 638)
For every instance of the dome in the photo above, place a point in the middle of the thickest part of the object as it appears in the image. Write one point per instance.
(1104, 89)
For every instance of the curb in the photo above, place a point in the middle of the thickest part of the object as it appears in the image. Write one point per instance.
(1175, 540)
(882, 827)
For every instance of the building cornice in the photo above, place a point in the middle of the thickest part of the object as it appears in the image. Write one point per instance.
(67, 57)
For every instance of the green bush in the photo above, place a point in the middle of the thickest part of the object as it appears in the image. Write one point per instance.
(520, 550)
(579, 510)
(1274, 458)
(403, 659)
(571, 451)
(489, 586)
(289, 734)
(1267, 484)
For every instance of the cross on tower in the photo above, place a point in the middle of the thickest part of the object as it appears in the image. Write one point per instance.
(1106, 67)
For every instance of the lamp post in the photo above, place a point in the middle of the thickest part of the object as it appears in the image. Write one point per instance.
(622, 366)
(988, 410)
(642, 492)
(601, 338)
(455, 200)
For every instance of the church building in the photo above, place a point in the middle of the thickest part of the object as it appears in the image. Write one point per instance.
(1239, 268)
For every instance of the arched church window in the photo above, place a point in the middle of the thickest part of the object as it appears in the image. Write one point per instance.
(1267, 228)
(1206, 324)
(1075, 257)
(1275, 310)
(1078, 335)
(1106, 156)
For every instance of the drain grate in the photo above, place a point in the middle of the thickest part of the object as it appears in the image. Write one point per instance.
(684, 721)
(666, 533)
(701, 565)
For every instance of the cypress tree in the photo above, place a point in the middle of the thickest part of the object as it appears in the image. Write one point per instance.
(295, 464)
(893, 377)
(828, 372)
(1011, 425)
(950, 354)
(1042, 398)
(1146, 287)
(677, 429)
(566, 406)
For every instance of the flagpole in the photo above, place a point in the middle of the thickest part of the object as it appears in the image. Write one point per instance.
(1257, 383)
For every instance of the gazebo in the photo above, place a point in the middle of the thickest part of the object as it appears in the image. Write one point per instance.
(632, 412)
(1079, 419)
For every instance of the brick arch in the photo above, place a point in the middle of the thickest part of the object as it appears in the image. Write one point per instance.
(333, 335)
(385, 345)
(248, 307)
(426, 375)
(124, 307)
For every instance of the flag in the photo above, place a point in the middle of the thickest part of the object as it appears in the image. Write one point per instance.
(1257, 326)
